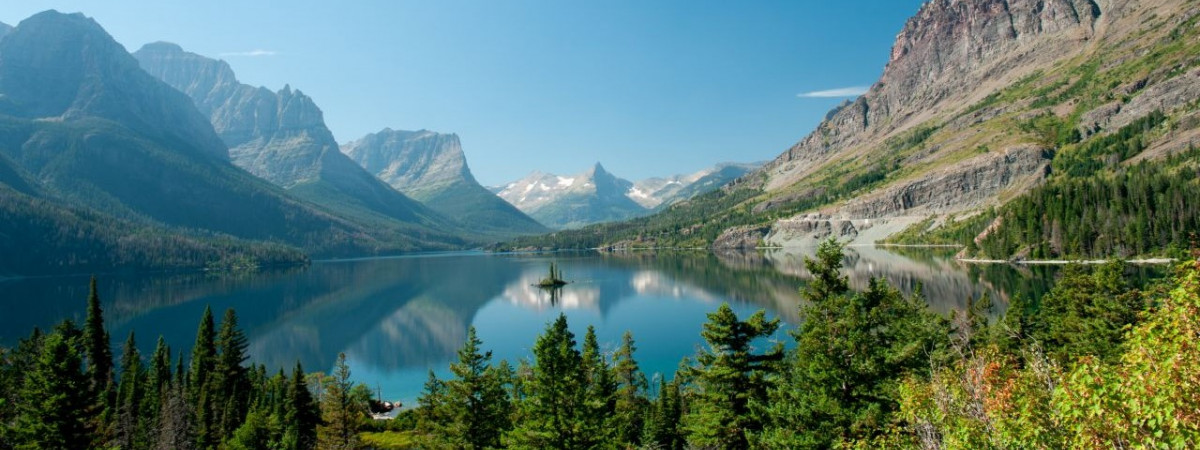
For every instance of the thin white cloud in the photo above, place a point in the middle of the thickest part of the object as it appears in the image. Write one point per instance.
(852, 91)
(255, 52)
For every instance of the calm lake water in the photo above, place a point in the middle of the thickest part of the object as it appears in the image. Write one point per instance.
(397, 318)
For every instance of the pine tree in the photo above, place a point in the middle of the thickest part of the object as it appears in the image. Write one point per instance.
(339, 411)
(600, 391)
(851, 352)
(302, 414)
(730, 376)
(631, 404)
(97, 351)
(476, 402)
(54, 399)
(130, 394)
(199, 388)
(662, 426)
(549, 414)
(230, 381)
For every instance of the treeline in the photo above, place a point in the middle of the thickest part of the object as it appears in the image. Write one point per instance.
(64, 390)
(1095, 205)
(1096, 362)
(44, 237)
(871, 369)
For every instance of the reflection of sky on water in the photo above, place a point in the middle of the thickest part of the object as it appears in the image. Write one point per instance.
(396, 318)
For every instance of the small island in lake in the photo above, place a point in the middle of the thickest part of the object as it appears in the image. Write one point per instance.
(554, 280)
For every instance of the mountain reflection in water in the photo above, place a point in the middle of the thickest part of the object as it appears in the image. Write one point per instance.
(396, 318)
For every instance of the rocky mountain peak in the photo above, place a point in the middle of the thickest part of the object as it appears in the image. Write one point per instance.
(412, 161)
(951, 53)
(4, 29)
(66, 66)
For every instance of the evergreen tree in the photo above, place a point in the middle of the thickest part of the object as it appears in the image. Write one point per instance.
(339, 413)
(130, 392)
(662, 426)
(600, 390)
(54, 400)
(98, 353)
(730, 376)
(1087, 312)
(231, 384)
(550, 414)
(850, 354)
(477, 404)
(631, 403)
(302, 413)
(200, 371)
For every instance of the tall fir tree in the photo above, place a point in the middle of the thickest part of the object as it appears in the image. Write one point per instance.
(554, 396)
(600, 391)
(302, 413)
(631, 404)
(477, 402)
(199, 387)
(130, 392)
(730, 377)
(98, 353)
(339, 412)
(230, 380)
(54, 399)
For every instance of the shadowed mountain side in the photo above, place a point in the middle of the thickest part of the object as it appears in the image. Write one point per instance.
(281, 137)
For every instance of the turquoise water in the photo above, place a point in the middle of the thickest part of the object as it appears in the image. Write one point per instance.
(397, 318)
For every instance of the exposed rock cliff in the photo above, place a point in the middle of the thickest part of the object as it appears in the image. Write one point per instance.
(432, 168)
(948, 55)
(281, 137)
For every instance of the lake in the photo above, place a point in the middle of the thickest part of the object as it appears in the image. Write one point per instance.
(397, 318)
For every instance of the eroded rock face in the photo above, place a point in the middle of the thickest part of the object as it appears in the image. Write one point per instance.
(415, 162)
(432, 168)
(964, 186)
(279, 136)
(741, 237)
(948, 50)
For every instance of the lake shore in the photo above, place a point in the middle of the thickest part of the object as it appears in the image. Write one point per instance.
(1063, 261)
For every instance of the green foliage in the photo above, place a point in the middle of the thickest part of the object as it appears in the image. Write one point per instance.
(554, 408)
(851, 352)
(729, 378)
(339, 412)
(1086, 313)
(52, 409)
(473, 407)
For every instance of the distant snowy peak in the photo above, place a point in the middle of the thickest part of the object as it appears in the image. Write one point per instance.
(596, 195)
(657, 192)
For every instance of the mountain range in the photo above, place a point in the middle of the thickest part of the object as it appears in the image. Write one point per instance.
(597, 196)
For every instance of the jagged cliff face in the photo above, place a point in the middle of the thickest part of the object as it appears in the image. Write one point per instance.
(945, 129)
(415, 162)
(281, 137)
(432, 168)
(951, 53)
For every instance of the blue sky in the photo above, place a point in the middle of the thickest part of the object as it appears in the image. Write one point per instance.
(648, 88)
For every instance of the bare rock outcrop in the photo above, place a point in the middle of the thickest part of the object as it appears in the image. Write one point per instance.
(962, 186)
(946, 52)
